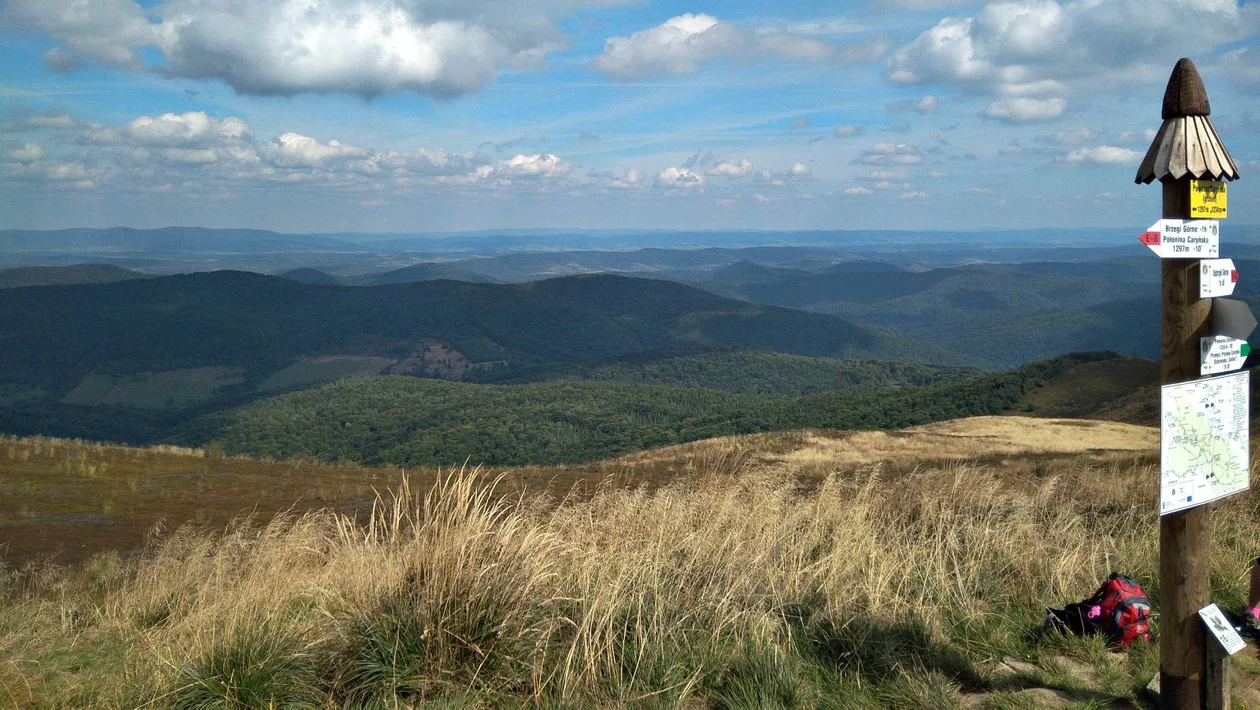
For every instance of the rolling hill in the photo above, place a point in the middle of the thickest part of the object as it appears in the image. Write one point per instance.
(128, 361)
(411, 421)
(63, 275)
(427, 271)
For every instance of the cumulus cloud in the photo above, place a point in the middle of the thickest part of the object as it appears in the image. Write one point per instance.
(28, 153)
(1103, 155)
(294, 150)
(528, 166)
(914, 195)
(858, 190)
(847, 130)
(1039, 47)
(891, 154)
(631, 180)
(193, 128)
(679, 177)
(681, 44)
(730, 169)
(1023, 109)
(366, 47)
(886, 175)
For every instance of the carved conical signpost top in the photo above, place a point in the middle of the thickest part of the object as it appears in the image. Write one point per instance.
(1187, 145)
(1185, 95)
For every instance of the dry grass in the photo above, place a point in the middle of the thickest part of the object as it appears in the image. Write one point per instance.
(754, 582)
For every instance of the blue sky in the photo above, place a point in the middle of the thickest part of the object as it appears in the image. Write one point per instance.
(436, 115)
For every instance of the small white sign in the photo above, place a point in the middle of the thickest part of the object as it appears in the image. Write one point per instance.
(1183, 238)
(1219, 627)
(1217, 277)
(1221, 353)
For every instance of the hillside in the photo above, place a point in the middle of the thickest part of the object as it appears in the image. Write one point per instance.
(410, 422)
(760, 571)
(430, 271)
(756, 372)
(257, 325)
(1001, 314)
(315, 277)
(62, 275)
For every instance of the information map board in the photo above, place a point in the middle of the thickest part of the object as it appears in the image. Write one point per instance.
(1204, 442)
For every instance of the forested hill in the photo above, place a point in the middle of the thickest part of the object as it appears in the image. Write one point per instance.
(412, 421)
(254, 325)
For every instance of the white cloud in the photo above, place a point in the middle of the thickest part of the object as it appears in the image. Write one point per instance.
(762, 199)
(847, 130)
(859, 190)
(105, 30)
(1242, 66)
(366, 47)
(631, 180)
(924, 4)
(294, 150)
(679, 177)
(681, 44)
(1029, 47)
(193, 128)
(977, 191)
(62, 172)
(1025, 110)
(939, 174)
(886, 175)
(799, 170)
(729, 169)
(891, 154)
(924, 105)
(914, 195)
(52, 119)
(1075, 136)
(1104, 155)
(1146, 135)
(537, 165)
(28, 153)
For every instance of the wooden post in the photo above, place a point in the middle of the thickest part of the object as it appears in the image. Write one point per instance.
(1185, 148)
(1183, 537)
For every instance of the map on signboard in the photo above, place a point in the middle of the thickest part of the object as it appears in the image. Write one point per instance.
(1204, 445)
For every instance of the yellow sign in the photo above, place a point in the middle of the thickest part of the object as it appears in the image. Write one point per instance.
(1208, 199)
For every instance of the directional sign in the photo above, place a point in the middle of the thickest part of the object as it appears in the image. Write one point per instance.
(1217, 277)
(1221, 353)
(1209, 199)
(1183, 238)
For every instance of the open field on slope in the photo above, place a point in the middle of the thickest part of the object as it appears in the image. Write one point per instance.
(71, 499)
(824, 569)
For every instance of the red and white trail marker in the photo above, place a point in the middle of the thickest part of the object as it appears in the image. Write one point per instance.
(1183, 238)
(1217, 277)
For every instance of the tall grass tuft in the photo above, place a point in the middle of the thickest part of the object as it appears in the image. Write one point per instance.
(746, 587)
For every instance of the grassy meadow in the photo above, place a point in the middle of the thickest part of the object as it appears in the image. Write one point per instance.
(813, 568)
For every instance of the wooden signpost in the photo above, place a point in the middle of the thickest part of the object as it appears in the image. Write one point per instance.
(1191, 163)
